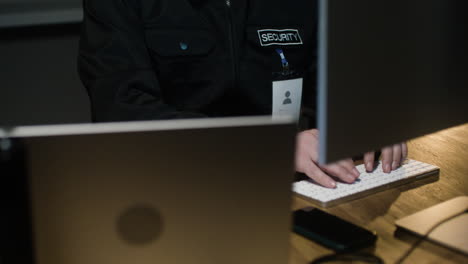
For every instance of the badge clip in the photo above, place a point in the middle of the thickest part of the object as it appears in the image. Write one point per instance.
(284, 61)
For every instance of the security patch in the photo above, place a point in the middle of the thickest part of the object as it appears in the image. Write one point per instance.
(270, 37)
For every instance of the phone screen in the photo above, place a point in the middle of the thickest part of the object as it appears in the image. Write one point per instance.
(331, 231)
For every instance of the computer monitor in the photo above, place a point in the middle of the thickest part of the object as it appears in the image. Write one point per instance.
(389, 71)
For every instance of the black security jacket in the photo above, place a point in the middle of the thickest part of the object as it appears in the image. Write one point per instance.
(161, 59)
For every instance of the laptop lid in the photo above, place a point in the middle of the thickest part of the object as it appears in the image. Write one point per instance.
(191, 191)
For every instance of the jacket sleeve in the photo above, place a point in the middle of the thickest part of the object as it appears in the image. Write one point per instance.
(115, 66)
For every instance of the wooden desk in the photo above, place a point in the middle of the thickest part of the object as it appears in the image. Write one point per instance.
(447, 149)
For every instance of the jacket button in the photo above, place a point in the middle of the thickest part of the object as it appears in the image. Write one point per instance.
(183, 46)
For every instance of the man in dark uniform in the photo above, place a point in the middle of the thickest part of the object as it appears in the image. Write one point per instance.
(166, 59)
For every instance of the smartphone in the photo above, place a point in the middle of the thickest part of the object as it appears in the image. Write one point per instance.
(331, 231)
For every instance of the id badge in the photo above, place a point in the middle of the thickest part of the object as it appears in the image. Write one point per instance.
(287, 97)
(287, 92)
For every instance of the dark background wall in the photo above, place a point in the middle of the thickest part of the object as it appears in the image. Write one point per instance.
(39, 83)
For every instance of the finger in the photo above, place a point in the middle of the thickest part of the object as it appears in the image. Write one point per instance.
(404, 151)
(316, 174)
(340, 172)
(396, 156)
(387, 157)
(349, 165)
(369, 161)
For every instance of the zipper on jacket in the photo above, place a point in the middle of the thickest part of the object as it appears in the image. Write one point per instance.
(232, 44)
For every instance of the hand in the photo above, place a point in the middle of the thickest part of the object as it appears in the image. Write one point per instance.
(306, 161)
(392, 157)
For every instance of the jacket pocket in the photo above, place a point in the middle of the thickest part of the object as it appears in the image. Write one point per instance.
(184, 62)
(175, 43)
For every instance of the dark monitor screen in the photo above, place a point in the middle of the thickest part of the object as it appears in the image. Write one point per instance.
(389, 71)
(25, 13)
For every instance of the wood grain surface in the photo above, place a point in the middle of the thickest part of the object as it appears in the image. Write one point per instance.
(447, 149)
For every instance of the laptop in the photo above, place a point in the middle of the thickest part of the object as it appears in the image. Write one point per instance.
(184, 191)
(445, 223)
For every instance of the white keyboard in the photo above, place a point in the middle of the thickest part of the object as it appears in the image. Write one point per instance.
(366, 184)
